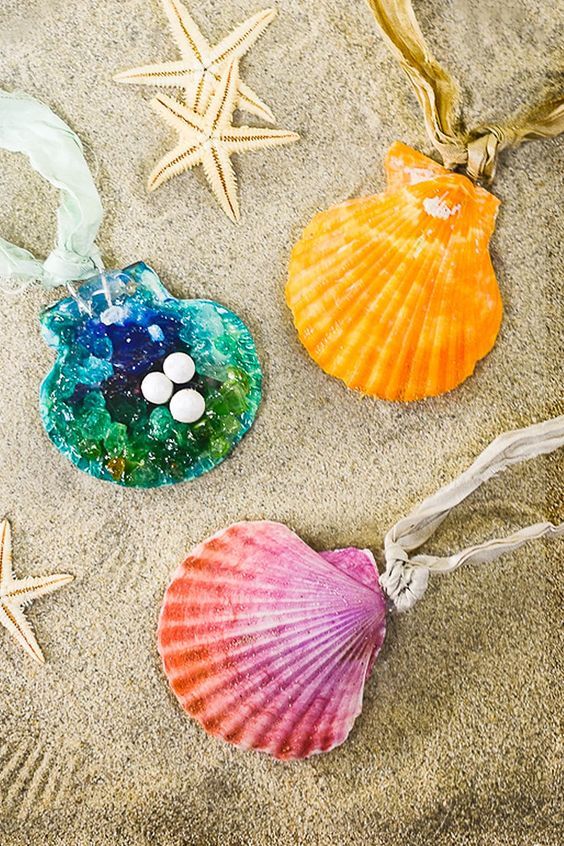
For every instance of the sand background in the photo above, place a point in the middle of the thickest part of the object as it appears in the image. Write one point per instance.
(458, 740)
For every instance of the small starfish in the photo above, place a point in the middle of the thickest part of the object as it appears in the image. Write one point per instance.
(210, 139)
(16, 594)
(200, 68)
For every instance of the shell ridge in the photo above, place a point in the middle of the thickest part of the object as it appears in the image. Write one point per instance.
(317, 566)
(282, 679)
(345, 237)
(384, 316)
(373, 293)
(459, 259)
(488, 288)
(412, 331)
(321, 674)
(326, 670)
(364, 315)
(355, 698)
(340, 626)
(301, 295)
(388, 269)
(311, 624)
(351, 700)
(326, 222)
(263, 610)
(455, 354)
(308, 584)
(436, 305)
(280, 662)
(339, 575)
(413, 370)
(223, 717)
(314, 711)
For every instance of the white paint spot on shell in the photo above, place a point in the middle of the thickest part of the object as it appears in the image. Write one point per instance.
(419, 174)
(437, 207)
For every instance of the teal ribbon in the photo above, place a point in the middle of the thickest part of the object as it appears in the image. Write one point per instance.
(54, 150)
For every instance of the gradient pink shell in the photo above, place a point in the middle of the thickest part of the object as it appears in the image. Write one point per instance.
(267, 643)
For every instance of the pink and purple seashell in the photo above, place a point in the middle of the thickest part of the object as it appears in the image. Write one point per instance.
(267, 643)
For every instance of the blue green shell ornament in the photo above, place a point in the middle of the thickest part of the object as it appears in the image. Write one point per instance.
(120, 328)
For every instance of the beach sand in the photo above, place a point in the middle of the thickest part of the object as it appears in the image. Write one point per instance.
(458, 739)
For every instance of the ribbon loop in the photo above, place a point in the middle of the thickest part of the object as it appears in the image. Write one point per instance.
(438, 96)
(405, 577)
(54, 150)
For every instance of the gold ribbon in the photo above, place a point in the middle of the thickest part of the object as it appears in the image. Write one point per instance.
(438, 96)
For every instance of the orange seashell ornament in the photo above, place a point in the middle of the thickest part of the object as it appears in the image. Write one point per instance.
(395, 294)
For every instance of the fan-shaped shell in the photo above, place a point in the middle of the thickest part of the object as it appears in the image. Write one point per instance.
(267, 643)
(395, 294)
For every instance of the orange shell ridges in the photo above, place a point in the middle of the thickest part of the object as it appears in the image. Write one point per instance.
(395, 294)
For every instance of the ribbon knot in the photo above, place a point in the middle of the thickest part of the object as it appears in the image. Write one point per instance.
(64, 265)
(403, 582)
(394, 552)
(482, 151)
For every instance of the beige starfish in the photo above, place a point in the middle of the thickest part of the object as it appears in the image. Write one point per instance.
(210, 139)
(16, 594)
(200, 68)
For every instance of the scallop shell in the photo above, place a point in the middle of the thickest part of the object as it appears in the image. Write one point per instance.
(267, 643)
(395, 294)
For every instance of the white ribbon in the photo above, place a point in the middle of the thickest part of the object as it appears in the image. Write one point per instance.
(405, 578)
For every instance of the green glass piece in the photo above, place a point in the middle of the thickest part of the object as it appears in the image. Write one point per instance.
(116, 439)
(161, 423)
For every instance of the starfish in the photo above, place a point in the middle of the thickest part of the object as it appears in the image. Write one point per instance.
(15, 594)
(199, 70)
(210, 139)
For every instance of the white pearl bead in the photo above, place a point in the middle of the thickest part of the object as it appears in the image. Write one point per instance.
(179, 367)
(187, 406)
(157, 388)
